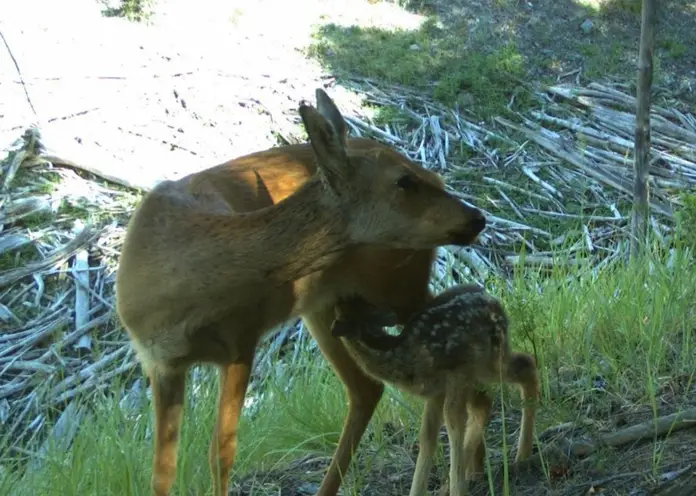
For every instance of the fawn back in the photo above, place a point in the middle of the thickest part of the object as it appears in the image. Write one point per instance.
(215, 259)
(462, 332)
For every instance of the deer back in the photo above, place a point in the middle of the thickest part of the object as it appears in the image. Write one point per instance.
(279, 233)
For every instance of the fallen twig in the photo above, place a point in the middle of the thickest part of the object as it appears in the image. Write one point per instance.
(636, 433)
(85, 236)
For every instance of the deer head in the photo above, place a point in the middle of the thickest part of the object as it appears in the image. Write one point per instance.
(382, 196)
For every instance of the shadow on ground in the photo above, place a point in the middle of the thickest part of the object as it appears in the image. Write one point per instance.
(389, 472)
(475, 53)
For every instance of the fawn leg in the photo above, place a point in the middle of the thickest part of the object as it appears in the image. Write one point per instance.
(168, 387)
(456, 419)
(479, 410)
(430, 427)
(362, 391)
(233, 382)
(522, 371)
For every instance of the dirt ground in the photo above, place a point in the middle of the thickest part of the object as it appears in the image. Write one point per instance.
(204, 83)
(595, 39)
(666, 467)
(199, 86)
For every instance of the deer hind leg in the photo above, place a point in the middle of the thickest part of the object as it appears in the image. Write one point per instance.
(522, 370)
(455, 413)
(168, 388)
(363, 394)
(479, 410)
(233, 382)
(430, 428)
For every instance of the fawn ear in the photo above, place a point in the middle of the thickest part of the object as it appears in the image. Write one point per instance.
(327, 108)
(340, 328)
(328, 147)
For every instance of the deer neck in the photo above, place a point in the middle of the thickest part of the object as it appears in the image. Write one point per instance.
(300, 235)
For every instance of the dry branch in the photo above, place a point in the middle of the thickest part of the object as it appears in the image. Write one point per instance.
(106, 168)
(82, 295)
(558, 147)
(60, 255)
(563, 449)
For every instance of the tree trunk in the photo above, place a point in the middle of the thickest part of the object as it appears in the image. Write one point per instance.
(639, 220)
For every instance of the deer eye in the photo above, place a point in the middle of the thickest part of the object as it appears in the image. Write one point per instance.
(407, 183)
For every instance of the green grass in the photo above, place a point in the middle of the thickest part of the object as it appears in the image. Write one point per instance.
(673, 48)
(132, 10)
(431, 59)
(628, 7)
(480, 69)
(600, 61)
(13, 259)
(630, 325)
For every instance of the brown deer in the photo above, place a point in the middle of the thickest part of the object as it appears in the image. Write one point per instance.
(216, 259)
(458, 341)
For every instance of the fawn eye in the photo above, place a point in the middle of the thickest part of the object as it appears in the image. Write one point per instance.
(407, 183)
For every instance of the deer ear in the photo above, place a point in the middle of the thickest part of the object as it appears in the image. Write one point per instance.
(327, 108)
(328, 147)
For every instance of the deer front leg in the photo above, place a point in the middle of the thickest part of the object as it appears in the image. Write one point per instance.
(430, 428)
(362, 391)
(233, 382)
(168, 389)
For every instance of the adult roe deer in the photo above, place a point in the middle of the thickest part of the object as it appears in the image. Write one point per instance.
(458, 341)
(214, 260)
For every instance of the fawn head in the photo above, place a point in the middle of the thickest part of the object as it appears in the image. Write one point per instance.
(356, 317)
(382, 197)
